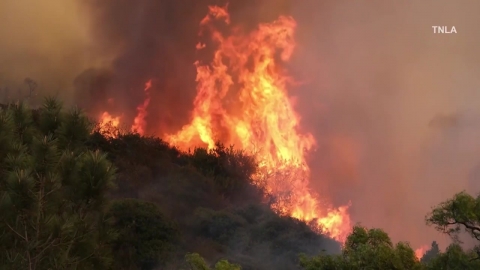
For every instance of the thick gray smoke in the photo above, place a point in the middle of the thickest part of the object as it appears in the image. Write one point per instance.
(394, 106)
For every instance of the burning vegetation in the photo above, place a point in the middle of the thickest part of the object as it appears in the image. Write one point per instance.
(182, 190)
(242, 100)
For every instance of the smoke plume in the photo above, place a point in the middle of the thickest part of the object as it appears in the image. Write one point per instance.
(154, 40)
(395, 106)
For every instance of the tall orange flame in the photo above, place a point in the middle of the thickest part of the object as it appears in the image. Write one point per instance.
(242, 100)
(139, 122)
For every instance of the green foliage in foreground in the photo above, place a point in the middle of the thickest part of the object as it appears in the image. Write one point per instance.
(52, 191)
(60, 212)
(145, 237)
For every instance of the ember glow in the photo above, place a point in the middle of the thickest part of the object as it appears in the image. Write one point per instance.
(242, 100)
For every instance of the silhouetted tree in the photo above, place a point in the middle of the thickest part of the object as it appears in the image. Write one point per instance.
(455, 257)
(433, 252)
(453, 215)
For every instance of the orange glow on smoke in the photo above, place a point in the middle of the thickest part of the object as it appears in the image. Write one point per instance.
(139, 122)
(242, 100)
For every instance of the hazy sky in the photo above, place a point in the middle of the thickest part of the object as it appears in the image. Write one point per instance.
(46, 40)
(395, 107)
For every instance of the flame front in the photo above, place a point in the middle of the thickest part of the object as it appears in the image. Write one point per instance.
(108, 124)
(242, 100)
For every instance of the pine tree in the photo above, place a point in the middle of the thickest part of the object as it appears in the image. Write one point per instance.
(52, 191)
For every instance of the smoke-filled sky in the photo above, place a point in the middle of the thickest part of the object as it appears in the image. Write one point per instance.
(394, 107)
(47, 41)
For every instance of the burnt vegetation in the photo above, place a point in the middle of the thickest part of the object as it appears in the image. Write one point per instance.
(76, 199)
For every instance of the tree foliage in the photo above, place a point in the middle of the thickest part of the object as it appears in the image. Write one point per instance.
(145, 237)
(196, 262)
(366, 249)
(52, 191)
(230, 169)
(433, 252)
(455, 257)
(373, 249)
(453, 215)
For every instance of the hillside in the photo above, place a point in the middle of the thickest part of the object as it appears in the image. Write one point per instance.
(209, 195)
(165, 204)
(74, 198)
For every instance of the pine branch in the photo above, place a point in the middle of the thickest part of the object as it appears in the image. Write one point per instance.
(17, 233)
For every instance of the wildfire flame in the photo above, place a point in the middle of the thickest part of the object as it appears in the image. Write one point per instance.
(419, 252)
(108, 124)
(139, 122)
(242, 100)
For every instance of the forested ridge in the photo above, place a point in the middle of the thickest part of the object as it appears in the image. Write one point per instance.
(73, 197)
